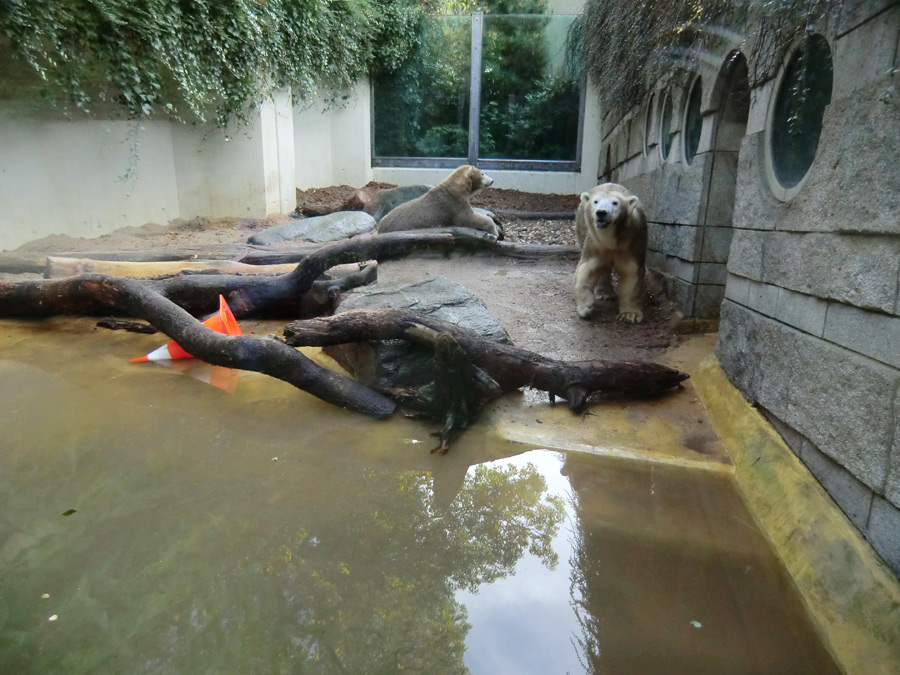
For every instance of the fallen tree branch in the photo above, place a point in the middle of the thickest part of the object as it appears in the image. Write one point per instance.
(263, 355)
(280, 296)
(58, 268)
(247, 254)
(511, 367)
(470, 369)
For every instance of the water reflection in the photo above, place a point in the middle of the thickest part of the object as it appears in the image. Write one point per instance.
(188, 554)
(268, 532)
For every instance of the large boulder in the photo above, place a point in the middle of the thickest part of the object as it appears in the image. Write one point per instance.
(396, 363)
(320, 229)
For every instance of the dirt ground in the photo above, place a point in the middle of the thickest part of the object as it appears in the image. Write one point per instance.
(531, 299)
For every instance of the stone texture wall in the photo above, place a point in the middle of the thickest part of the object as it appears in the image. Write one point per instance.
(810, 319)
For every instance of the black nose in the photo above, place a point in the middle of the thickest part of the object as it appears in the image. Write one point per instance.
(601, 214)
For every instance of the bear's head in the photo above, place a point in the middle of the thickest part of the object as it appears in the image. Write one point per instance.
(478, 180)
(607, 207)
(466, 181)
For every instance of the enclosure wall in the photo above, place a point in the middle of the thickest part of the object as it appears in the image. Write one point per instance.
(85, 178)
(810, 318)
(70, 177)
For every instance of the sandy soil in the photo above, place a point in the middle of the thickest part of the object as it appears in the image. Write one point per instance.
(532, 299)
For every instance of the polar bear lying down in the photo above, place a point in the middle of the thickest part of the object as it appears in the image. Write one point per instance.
(444, 205)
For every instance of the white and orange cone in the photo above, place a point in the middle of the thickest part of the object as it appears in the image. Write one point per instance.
(222, 321)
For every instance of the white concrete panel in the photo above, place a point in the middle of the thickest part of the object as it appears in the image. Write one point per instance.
(333, 143)
(277, 138)
(312, 147)
(69, 177)
(562, 182)
(351, 137)
(219, 174)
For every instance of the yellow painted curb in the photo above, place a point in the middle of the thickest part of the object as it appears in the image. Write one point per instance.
(852, 596)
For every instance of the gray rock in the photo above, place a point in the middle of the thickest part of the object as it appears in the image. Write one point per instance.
(384, 201)
(396, 363)
(333, 227)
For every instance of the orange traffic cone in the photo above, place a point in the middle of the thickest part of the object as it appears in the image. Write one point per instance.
(222, 322)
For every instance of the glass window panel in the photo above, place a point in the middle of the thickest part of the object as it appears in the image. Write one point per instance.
(804, 94)
(423, 110)
(529, 103)
(648, 125)
(665, 131)
(693, 122)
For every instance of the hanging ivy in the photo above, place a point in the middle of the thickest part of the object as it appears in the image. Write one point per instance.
(627, 47)
(201, 59)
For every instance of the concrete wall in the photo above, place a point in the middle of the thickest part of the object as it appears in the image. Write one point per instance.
(333, 141)
(69, 177)
(810, 318)
(86, 178)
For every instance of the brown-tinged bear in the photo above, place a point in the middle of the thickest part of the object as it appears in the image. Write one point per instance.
(444, 205)
(611, 227)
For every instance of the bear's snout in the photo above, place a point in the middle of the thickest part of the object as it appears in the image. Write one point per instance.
(602, 217)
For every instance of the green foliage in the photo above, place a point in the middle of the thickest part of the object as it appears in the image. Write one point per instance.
(528, 111)
(192, 60)
(422, 109)
(627, 47)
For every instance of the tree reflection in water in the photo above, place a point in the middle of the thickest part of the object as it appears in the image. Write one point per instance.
(358, 577)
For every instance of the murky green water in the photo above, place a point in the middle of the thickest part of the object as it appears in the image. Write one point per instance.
(266, 532)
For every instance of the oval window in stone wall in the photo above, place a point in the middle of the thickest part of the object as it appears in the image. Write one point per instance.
(665, 126)
(648, 126)
(693, 121)
(795, 118)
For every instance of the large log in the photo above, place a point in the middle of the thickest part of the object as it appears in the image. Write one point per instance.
(279, 296)
(19, 263)
(58, 268)
(511, 367)
(264, 355)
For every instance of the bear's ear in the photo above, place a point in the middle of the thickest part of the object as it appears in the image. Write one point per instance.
(585, 197)
(632, 201)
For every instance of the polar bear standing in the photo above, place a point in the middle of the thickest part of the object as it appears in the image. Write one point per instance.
(611, 228)
(444, 205)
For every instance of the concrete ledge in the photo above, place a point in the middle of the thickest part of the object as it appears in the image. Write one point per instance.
(851, 595)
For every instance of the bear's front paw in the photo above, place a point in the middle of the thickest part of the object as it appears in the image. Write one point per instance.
(631, 316)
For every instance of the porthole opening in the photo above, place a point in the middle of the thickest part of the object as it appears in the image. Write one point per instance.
(796, 122)
(693, 121)
(665, 127)
(648, 126)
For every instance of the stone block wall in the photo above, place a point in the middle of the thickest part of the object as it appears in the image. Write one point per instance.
(810, 318)
(810, 325)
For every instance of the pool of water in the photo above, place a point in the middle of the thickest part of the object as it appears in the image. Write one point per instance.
(152, 523)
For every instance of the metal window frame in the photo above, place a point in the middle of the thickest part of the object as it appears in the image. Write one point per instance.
(474, 121)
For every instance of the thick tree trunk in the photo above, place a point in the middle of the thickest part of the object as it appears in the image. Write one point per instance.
(264, 355)
(510, 366)
(19, 263)
(59, 268)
